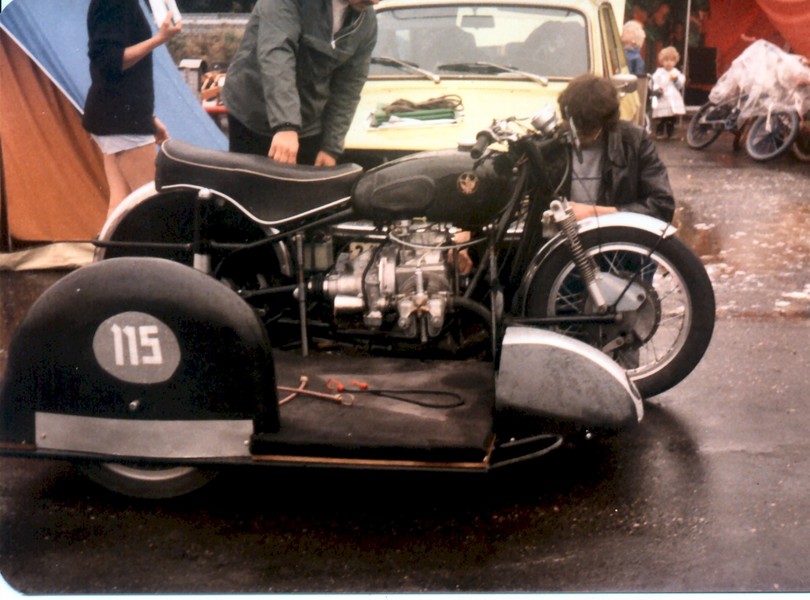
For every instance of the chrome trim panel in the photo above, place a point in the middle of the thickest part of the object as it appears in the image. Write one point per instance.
(140, 438)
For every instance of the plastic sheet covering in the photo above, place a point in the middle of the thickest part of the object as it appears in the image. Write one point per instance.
(766, 79)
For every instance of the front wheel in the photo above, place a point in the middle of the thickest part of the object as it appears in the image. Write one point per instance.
(772, 135)
(705, 126)
(147, 481)
(660, 341)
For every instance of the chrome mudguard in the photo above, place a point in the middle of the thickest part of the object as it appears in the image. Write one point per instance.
(547, 375)
(143, 193)
(149, 191)
(621, 219)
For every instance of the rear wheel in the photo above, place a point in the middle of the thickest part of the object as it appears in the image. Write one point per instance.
(772, 135)
(705, 126)
(147, 481)
(662, 340)
(162, 226)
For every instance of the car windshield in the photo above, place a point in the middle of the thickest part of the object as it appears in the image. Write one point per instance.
(453, 39)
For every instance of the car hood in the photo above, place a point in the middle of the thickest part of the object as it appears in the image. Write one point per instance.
(483, 100)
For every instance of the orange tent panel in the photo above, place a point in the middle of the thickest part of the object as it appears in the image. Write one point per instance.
(52, 171)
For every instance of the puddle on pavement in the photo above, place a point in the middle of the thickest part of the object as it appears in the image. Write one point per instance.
(753, 238)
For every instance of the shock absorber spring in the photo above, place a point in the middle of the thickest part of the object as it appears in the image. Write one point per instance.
(564, 218)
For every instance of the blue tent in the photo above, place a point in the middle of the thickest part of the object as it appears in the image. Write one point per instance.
(54, 34)
(52, 184)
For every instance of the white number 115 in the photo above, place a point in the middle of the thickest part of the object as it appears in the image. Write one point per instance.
(142, 345)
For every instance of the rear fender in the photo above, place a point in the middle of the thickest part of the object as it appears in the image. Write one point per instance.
(167, 217)
(138, 196)
(139, 357)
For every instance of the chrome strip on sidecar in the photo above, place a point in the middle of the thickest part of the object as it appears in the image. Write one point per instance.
(140, 438)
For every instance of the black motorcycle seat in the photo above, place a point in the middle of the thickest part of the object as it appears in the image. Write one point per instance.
(269, 192)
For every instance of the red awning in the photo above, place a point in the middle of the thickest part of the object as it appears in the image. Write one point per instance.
(792, 19)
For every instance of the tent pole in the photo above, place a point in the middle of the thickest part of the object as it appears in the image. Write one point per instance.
(5, 233)
(686, 44)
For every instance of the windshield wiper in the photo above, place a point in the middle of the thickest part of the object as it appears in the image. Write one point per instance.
(487, 67)
(389, 61)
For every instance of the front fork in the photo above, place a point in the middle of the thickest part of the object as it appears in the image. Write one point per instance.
(561, 216)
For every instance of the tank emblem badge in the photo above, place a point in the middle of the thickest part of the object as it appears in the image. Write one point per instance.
(467, 183)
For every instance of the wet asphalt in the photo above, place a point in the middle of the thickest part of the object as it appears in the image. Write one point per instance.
(709, 493)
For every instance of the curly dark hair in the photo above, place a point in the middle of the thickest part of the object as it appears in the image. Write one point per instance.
(592, 102)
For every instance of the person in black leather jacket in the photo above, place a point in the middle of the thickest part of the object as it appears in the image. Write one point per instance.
(620, 168)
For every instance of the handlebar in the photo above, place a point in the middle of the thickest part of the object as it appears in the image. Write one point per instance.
(482, 140)
(544, 129)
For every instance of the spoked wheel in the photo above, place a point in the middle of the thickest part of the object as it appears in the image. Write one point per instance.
(801, 147)
(771, 135)
(658, 342)
(705, 126)
(147, 481)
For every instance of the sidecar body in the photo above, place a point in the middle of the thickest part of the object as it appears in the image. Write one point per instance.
(149, 364)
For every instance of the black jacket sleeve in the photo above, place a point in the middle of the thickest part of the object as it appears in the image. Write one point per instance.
(107, 29)
(637, 180)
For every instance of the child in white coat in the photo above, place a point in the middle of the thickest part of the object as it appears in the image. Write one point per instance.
(667, 83)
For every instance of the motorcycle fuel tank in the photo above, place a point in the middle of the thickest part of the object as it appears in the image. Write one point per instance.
(549, 376)
(442, 186)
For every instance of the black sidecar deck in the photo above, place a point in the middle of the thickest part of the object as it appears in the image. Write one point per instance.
(412, 413)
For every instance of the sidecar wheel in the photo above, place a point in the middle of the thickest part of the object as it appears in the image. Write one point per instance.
(147, 482)
(676, 320)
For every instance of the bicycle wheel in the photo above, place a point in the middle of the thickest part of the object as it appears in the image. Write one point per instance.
(704, 127)
(801, 147)
(772, 135)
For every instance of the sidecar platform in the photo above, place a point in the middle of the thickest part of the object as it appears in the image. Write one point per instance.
(143, 360)
(401, 412)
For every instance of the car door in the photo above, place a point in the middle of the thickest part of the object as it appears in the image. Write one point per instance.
(614, 62)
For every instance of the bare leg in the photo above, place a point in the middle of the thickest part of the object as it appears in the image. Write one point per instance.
(133, 168)
(137, 166)
(116, 182)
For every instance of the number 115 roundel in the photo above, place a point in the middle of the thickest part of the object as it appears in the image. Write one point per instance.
(137, 348)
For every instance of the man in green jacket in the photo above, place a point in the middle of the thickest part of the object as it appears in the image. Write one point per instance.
(293, 86)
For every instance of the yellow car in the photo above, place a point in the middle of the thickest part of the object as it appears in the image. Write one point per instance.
(442, 70)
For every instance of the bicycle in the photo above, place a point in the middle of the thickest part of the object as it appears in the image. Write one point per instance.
(766, 136)
(713, 119)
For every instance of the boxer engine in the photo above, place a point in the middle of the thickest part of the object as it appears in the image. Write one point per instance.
(400, 282)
